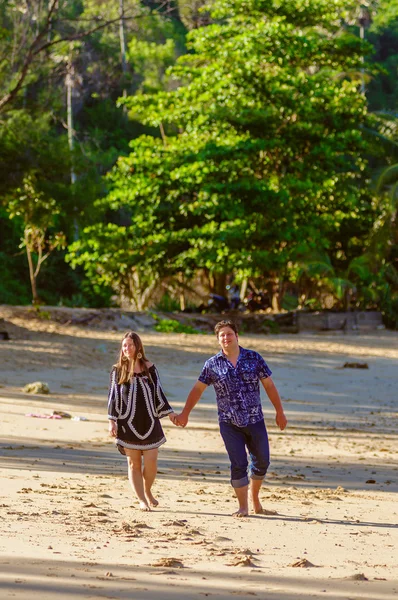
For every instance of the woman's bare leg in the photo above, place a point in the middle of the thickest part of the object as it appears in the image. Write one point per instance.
(149, 473)
(135, 475)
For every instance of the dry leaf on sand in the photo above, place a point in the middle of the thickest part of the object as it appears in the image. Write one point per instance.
(358, 577)
(241, 561)
(303, 563)
(169, 562)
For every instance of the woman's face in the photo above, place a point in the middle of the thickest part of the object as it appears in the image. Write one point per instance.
(128, 348)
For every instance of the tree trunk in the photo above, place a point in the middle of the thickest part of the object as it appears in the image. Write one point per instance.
(35, 297)
(182, 295)
(219, 283)
(243, 289)
(122, 39)
(273, 290)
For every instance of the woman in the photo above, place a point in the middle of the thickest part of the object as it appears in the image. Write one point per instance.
(136, 402)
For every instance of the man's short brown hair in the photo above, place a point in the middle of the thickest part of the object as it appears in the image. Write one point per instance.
(227, 323)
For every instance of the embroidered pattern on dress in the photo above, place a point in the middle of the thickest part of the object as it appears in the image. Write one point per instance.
(112, 390)
(159, 392)
(134, 408)
(160, 396)
(140, 446)
(122, 415)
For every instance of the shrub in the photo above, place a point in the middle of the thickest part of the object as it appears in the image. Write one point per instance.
(173, 326)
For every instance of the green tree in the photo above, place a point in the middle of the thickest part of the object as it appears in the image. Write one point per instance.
(38, 213)
(44, 46)
(261, 157)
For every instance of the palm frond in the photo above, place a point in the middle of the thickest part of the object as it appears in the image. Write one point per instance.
(388, 145)
(340, 285)
(387, 177)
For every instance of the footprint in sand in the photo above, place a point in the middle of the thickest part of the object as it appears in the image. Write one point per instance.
(140, 525)
(194, 532)
(127, 529)
(175, 523)
(245, 552)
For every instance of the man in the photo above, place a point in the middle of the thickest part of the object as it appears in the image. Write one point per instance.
(235, 373)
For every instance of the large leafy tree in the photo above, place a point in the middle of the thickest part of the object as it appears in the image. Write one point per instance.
(260, 156)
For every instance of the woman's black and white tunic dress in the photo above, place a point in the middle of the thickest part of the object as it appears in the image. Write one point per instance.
(136, 407)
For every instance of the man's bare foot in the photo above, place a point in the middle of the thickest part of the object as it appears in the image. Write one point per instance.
(151, 499)
(144, 506)
(242, 512)
(259, 510)
(265, 511)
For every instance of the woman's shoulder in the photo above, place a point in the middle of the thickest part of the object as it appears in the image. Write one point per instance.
(150, 366)
(152, 370)
(113, 370)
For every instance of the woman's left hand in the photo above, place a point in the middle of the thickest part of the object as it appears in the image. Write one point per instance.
(112, 428)
(173, 417)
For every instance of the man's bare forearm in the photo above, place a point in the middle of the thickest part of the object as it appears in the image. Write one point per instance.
(274, 396)
(275, 399)
(192, 400)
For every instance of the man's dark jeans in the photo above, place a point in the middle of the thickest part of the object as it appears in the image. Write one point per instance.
(254, 437)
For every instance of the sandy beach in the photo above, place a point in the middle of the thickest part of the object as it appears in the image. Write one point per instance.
(71, 528)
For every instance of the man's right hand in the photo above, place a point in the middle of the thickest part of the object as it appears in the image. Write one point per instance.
(181, 420)
(193, 398)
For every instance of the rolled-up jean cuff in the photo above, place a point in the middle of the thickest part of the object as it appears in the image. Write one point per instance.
(258, 477)
(238, 483)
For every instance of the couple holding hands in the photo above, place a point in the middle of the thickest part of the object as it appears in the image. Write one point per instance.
(136, 403)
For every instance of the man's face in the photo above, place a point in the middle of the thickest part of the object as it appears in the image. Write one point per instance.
(227, 339)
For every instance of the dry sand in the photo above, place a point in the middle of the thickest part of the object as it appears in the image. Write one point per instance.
(70, 527)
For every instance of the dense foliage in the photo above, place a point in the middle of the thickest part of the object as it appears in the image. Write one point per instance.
(244, 149)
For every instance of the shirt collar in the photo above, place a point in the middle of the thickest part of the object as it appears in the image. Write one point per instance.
(222, 355)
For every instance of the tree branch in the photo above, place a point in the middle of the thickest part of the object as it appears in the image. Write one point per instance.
(37, 47)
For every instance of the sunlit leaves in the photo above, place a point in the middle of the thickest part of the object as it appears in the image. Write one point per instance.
(262, 144)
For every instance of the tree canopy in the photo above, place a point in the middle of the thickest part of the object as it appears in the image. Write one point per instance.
(262, 159)
(240, 139)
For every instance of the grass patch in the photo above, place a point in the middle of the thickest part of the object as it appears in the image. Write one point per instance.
(173, 326)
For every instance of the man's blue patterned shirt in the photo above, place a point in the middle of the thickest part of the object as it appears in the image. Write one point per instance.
(237, 388)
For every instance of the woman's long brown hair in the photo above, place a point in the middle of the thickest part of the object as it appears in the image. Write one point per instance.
(122, 366)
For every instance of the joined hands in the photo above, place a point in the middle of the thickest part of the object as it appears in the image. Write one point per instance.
(178, 420)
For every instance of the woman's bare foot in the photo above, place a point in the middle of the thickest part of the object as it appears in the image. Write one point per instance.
(144, 506)
(258, 509)
(240, 513)
(151, 499)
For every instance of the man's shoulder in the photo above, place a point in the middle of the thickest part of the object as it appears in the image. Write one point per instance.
(214, 359)
(250, 354)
